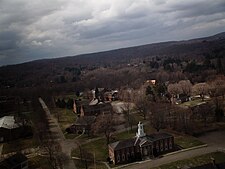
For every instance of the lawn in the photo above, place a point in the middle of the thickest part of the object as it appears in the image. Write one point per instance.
(18, 145)
(65, 117)
(187, 141)
(194, 103)
(195, 161)
(99, 148)
(90, 164)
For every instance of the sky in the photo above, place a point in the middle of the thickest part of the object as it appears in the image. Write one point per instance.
(36, 29)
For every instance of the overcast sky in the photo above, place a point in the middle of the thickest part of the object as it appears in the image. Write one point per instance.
(35, 29)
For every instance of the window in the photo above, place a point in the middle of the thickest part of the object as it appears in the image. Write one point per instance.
(166, 145)
(118, 158)
(137, 149)
(123, 157)
(128, 156)
(161, 145)
(170, 144)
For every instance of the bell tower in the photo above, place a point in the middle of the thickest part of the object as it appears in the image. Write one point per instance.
(140, 132)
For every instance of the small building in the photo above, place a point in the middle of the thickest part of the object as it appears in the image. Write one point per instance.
(111, 95)
(10, 129)
(17, 161)
(82, 124)
(140, 147)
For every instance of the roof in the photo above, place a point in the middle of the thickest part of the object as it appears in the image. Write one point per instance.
(123, 144)
(139, 141)
(8, 122)
(158, 136)
(85, 120)
(98, 107)
(13, 161)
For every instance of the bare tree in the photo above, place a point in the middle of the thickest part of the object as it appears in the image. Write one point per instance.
(141, 103)
(205, 111)
(126, 96)
(174, 90)
(185, 86)
(157, 115)
(104, 124)
(201, 89)
(54, 153)
(217, 87)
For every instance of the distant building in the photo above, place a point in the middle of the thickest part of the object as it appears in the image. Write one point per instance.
(17, 161)
(141, 147)
(93, 108)
(111, 95)
(151, 82)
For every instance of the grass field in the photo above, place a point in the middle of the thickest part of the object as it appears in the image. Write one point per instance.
(65, 118)
(195, 161)
(99, 148)
(194, 103)
(187, 141)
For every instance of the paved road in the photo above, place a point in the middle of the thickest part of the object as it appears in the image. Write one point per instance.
(66, 145)
(215, 141)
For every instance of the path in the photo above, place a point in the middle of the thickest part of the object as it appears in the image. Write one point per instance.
(66, 145)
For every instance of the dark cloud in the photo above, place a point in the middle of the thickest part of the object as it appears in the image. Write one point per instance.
(31, 30)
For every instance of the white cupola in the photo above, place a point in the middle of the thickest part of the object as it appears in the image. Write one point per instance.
(140, 132)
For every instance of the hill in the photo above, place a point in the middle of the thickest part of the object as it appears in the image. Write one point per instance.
(70, 68)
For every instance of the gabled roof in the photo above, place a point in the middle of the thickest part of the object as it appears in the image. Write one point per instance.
(158, 136)
(140, 141)
(8, 122)
(123, 144)
(98, 107)
(85, 120)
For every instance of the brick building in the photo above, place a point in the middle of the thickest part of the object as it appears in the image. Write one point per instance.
(140, 147)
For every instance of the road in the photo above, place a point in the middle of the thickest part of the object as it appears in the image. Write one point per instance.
(215, 141)
(67, 145)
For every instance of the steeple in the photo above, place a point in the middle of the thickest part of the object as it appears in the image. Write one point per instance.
(140, 132)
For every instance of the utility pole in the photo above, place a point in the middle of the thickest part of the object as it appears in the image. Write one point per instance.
(94, 161)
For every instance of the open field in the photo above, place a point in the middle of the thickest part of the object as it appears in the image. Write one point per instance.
(187, 141)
